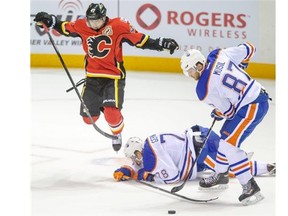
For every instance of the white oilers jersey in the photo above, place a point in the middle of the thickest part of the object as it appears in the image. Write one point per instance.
(169, 156)
(223, 84)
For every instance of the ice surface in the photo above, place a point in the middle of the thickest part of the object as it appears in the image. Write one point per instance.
(72, 164)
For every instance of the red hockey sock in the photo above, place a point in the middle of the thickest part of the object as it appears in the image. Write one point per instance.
(114, 119)
(87, 119)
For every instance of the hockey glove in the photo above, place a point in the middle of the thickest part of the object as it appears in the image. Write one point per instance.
(43, 17)
(216, 114)
(124, 173)
(168, 43)
(144, 175)
(243, 65)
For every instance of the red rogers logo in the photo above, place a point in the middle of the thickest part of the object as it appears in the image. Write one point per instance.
(212, 19)
(154, 9)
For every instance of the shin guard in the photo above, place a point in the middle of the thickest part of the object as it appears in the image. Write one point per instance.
(114, 119)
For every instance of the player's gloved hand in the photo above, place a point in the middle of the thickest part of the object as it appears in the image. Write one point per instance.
(43, 17)
(144, 175)
(243, 65)
(216, 114)
(123, 173)
(168, 43)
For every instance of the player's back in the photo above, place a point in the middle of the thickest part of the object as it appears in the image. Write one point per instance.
(172, 144)
(169, 153)
(227, 84)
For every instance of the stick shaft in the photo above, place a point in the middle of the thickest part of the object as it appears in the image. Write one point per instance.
(178, 188)
(175, 194)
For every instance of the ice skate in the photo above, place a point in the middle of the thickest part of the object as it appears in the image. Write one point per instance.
(117, 143)
(271, 169)
(251, 193)
(218, 181)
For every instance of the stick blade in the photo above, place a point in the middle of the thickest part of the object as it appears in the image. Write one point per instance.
(176, 188)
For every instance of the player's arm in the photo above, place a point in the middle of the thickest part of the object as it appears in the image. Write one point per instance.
(160, 44)
(225, 109)
(242, 54)
(146, 42)
(143, 41)
(51, 21)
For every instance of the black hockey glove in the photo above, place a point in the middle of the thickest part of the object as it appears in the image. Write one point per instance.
(168, 43)
(43, 17)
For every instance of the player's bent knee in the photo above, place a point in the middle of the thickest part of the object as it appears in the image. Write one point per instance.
(88, 121)
(112, 115)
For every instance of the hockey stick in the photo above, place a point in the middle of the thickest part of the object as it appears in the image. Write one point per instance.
(75, 88)
(175, 194)
(80, 82)
(179, 187)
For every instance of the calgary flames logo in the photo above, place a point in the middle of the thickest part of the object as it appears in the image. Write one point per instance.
(99, 46)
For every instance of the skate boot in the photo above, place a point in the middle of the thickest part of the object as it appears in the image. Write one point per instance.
(251, 193)
(117, 143)
(271, 169)
(215, 181)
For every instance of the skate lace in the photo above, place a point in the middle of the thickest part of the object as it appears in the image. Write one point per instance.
(246, 187)
(212, 179)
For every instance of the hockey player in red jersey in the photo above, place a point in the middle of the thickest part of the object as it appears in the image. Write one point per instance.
(102, 38)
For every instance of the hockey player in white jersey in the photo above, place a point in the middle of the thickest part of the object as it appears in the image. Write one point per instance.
(168, 157)
(235, 97)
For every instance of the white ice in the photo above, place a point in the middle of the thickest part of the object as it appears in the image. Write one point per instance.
(72, 164)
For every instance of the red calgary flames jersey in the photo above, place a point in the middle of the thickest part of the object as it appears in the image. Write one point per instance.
(103, 47)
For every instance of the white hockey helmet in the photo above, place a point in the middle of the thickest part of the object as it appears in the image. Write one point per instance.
(190, 59)
(133, 144)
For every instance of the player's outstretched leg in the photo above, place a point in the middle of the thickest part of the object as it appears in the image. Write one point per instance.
(215, 181)
(251, 193)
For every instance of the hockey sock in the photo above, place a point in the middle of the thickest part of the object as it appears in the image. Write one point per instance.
(238, 161)
(114, 119)
(87, 119)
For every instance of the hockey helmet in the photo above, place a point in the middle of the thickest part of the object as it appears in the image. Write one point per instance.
(96, 11)
(190, 59)
(132, 145)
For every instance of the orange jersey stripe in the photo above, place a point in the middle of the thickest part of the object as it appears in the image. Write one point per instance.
(221, 158)
(236, 134)
(240, 167)
(187, 167)
(251, 52)
(209, 162)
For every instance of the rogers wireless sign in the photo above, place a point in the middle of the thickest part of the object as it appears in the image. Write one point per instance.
(188, 18)
(201, 24)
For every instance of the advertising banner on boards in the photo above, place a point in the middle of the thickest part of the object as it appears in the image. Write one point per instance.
(200, 24)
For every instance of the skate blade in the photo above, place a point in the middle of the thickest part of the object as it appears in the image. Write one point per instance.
(220, 187)
(253, 199)
(116, 147)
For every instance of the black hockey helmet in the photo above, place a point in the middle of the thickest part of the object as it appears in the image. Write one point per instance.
(96, 11)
